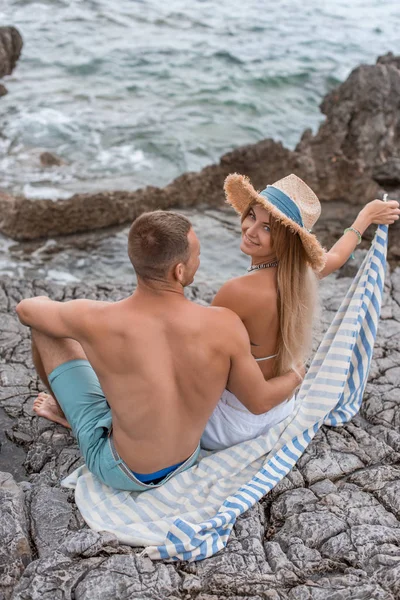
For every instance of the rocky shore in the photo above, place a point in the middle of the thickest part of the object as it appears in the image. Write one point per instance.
(353, 158)
(331, 529)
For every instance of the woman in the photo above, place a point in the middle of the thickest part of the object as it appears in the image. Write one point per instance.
(276, 299)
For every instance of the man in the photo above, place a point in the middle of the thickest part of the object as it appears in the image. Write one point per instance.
(138, 379)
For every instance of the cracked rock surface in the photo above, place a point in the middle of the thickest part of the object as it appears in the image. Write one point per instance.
(329, 530)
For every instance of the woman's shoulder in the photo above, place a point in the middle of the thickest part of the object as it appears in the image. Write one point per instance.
(243, 294)
(237, 287)
(235, 284)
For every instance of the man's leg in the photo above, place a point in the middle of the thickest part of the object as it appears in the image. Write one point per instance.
(48, 353)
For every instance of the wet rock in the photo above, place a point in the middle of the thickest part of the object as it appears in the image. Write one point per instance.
(10, 49)
(48, 159)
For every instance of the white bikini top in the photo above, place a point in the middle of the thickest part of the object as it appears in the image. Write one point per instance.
(265, 358)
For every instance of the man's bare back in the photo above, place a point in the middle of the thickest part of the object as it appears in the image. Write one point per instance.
(155, 372)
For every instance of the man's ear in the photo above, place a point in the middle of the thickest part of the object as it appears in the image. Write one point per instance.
(179, 273)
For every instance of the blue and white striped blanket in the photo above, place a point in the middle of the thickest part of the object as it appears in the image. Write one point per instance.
(191, 516)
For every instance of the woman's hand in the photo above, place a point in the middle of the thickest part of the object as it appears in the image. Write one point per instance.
(381, 213)
(377, 212)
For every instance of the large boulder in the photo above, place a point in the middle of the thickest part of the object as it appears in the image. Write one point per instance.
(10, 49)
(356, 151)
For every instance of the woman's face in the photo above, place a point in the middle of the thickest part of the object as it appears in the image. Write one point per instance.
(256, 236)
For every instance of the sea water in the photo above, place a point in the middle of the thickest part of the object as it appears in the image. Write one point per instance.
(136, 92)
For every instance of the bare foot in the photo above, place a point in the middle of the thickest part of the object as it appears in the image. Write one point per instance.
(46, 406)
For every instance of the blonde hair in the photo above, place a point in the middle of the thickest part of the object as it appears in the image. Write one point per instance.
(297, 297)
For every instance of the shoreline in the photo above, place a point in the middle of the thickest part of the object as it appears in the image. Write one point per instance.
(352, 159)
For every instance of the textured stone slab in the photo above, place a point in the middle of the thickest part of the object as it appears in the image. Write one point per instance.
(15, 551)
(329, 530)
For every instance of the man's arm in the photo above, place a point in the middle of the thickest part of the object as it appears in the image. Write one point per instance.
(378, 212)
(56, 319)
(246, 380)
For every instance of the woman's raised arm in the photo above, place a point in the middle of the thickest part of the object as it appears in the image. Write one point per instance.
(377, 212)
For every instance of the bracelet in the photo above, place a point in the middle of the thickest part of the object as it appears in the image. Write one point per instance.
(354, 230)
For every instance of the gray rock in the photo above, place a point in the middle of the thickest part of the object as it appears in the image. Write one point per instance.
(127, 578)
(51, 514)
(53, 578)
(352, 586)
(10, 49)
(15, 551)
(330, 529)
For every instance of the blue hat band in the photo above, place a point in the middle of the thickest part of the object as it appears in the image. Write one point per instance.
(283, 203)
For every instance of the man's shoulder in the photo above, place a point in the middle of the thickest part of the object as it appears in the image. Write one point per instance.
(223, 318)
(220, 312)
(88, 311)
(88, 302)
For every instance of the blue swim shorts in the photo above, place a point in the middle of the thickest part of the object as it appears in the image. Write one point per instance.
(78, 391)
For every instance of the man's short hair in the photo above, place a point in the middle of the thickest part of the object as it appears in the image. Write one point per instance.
(158, 241)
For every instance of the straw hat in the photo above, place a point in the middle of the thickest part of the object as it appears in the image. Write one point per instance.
(289, 200)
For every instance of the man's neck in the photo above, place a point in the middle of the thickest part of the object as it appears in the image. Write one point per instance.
(156, 288)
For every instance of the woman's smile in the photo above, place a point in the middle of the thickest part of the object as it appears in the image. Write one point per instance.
(248, 240)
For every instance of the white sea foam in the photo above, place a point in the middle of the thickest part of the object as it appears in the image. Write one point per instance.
(45, 192)
(61, 276)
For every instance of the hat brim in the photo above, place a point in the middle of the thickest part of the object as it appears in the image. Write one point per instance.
(240, 194)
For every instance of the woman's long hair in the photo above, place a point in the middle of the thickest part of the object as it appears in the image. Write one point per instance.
(297, 298)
